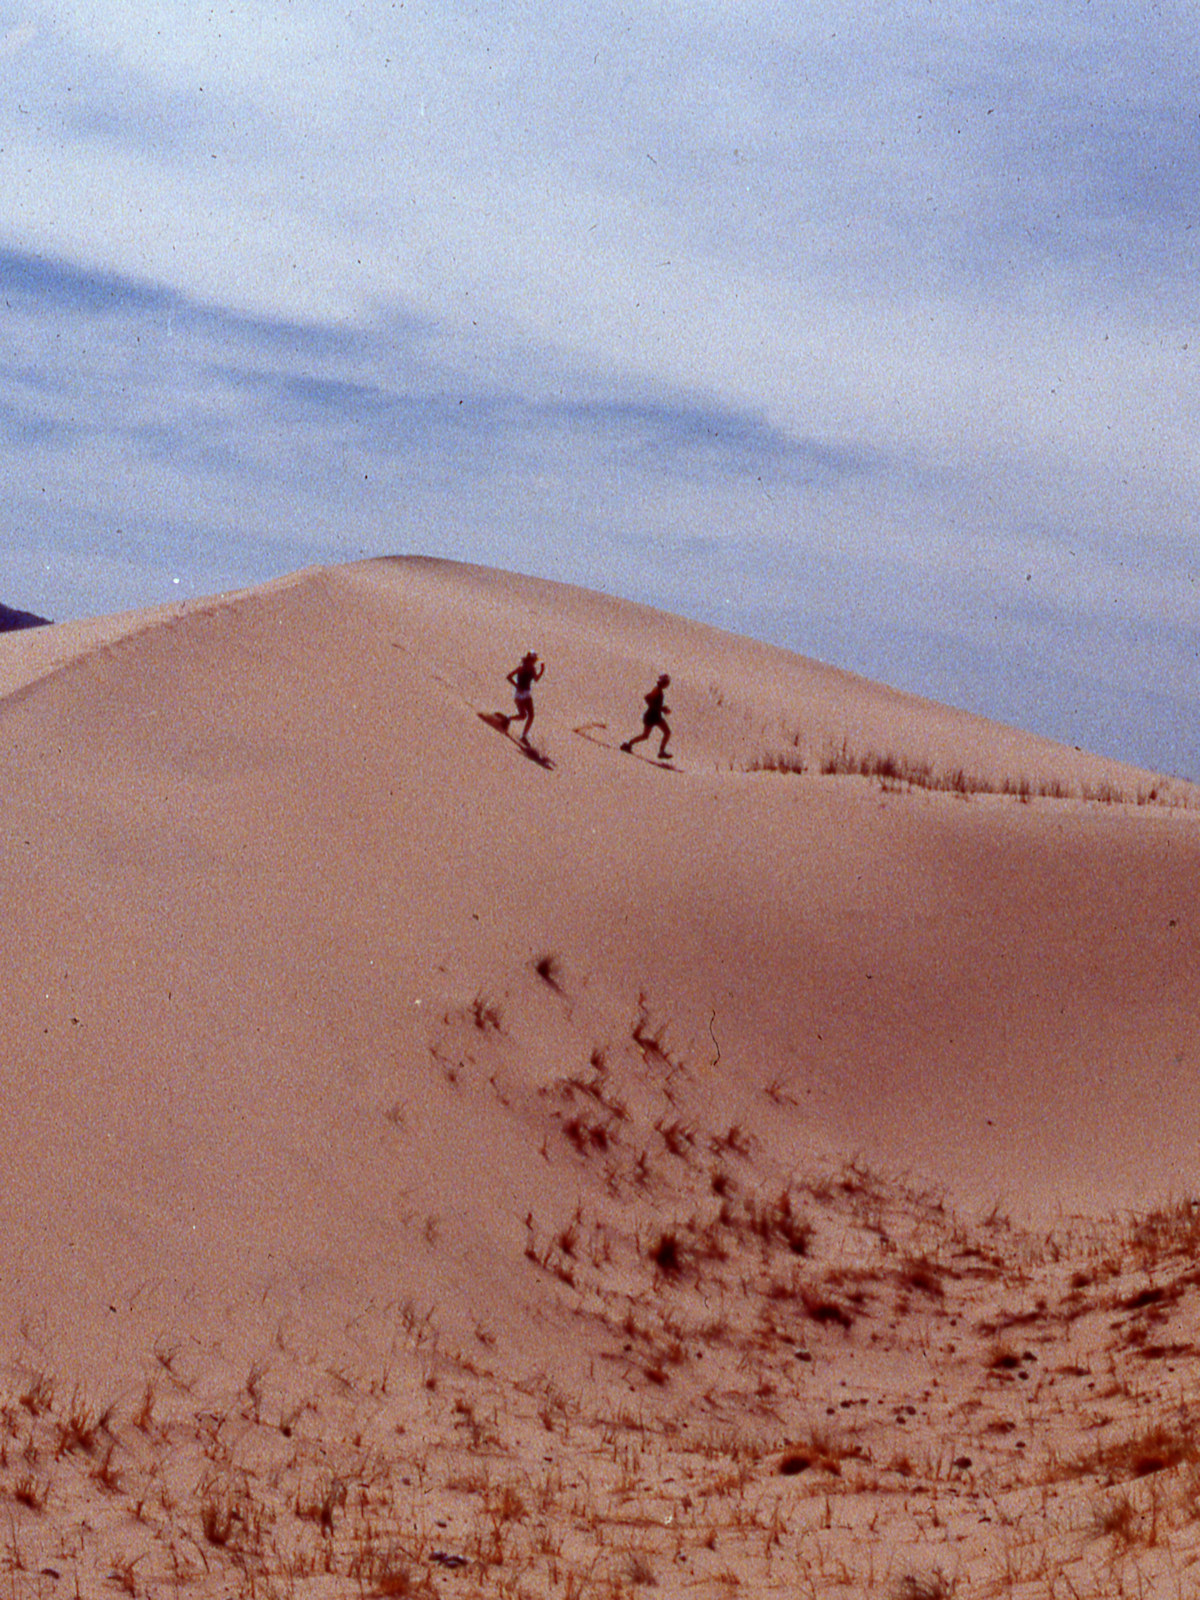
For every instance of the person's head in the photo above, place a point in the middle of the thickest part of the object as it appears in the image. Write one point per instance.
(664, 679)
(530, 657)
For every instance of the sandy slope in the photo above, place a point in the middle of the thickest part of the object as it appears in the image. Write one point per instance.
(334, 1027)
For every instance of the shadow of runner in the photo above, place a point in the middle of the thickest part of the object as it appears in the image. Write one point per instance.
(499, 721)
(591, 731)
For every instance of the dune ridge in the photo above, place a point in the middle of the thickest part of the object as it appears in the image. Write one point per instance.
(458, 1133)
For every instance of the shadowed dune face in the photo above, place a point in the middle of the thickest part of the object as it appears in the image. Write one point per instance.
(339, 1036)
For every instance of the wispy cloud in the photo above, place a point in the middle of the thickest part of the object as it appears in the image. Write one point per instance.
(161, 414)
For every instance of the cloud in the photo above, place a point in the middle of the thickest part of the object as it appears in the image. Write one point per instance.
(33, 281)
(225, 367)
(152, 404)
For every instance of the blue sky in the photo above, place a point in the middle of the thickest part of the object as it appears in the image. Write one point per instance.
(868, 330)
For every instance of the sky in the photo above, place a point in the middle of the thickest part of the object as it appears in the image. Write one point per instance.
(865, 329)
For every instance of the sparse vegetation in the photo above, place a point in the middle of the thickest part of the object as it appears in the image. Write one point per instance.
(549, 970)
(894, 772)
(37, 1396)
(931, 1586)
(486, 1014)
(30, 1491)
(819, 1382)
(667, 1253)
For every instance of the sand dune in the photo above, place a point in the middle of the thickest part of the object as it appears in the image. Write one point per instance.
(348, 1046)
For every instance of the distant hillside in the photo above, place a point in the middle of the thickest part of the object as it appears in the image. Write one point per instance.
(11, 620)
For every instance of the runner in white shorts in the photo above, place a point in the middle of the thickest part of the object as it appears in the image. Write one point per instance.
(523, 678)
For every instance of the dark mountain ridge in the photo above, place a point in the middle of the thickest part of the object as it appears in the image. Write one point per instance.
(11, 620)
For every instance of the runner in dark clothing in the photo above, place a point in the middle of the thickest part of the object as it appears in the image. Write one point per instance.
(654, 716)
(523, 678)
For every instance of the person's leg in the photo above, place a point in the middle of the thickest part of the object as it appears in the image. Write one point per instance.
(666, 737)
(645, 734)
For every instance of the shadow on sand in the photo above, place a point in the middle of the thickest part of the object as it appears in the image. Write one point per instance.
(498, 720)
(591, 732)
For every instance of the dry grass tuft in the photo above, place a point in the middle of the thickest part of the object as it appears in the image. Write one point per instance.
(930, 1586)
(38, 1394)
(486, 1014)
(667, 1253)
(549, 970)
(898, 772)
